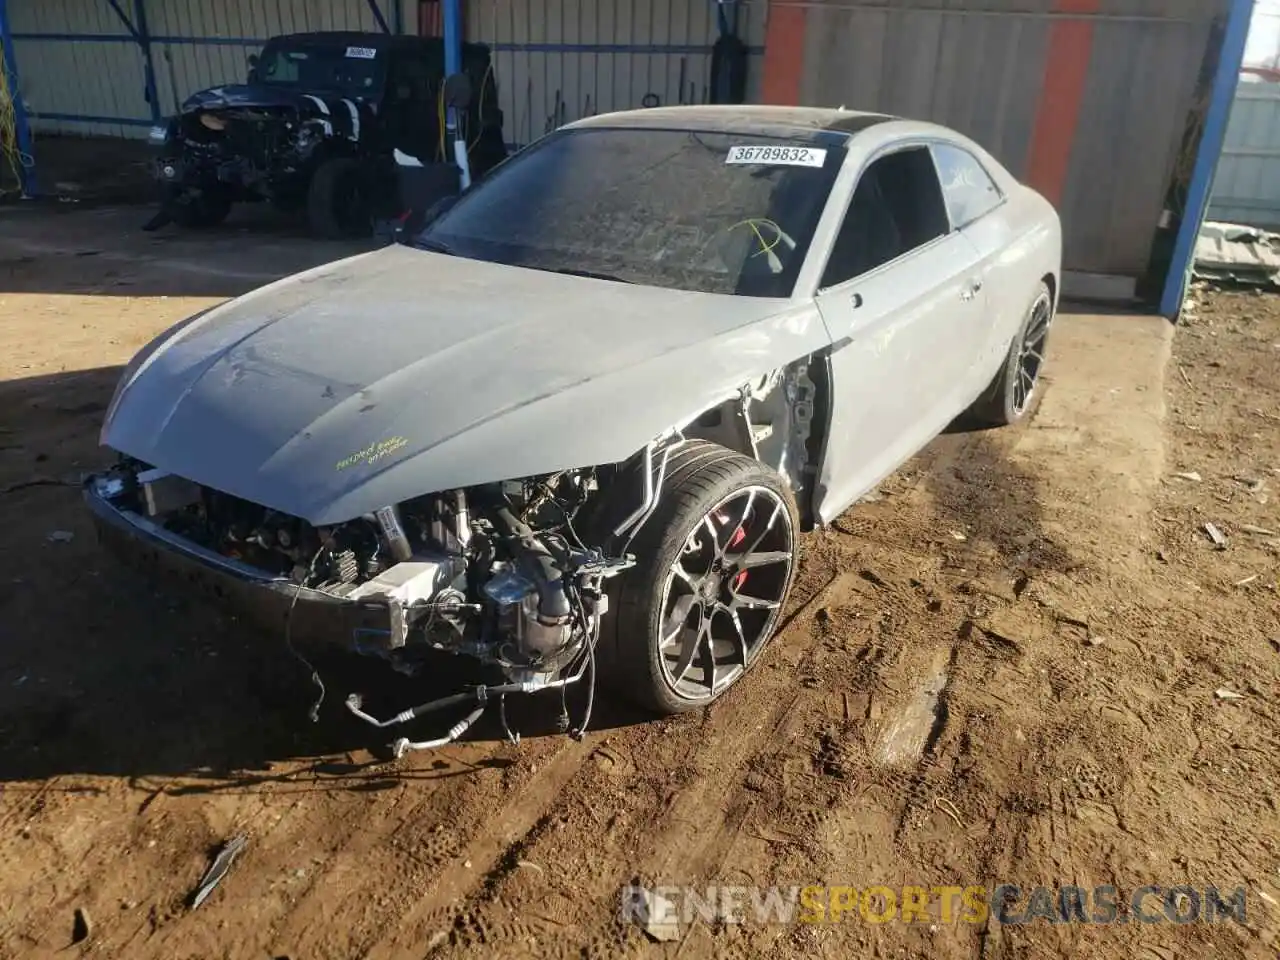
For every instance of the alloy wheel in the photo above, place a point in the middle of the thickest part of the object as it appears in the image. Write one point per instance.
(1031, 355)
(723, 594)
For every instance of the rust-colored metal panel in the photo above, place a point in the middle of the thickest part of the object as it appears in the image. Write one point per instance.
(1086, 99)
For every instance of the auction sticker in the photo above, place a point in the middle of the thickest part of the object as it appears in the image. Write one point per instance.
(787, 156)
(362, 53)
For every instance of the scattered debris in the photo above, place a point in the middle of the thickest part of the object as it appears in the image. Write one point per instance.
(1247, 580)
(1222, 693)
(1229, 253)
(218, 869)
(1217, 536)
(1189, 475)
(81, 926)
(1267, 897)
(957, 535)
(1258, 531)
(61, 536)
(530, 864)
(1185, 378)
(1254, 484)
(950, 809)
(1095, 640)
(657, 915)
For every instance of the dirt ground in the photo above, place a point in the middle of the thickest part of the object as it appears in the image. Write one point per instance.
(1022, 662)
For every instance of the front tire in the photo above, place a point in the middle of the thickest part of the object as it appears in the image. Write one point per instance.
(1013, 393)
(715, 563)
(337, 202)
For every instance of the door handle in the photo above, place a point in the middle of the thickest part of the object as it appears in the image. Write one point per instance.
(971, 291)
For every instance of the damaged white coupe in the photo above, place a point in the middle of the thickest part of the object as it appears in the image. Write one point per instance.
(575, 427)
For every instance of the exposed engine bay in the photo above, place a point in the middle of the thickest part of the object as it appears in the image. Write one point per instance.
(496, 572)
(500, 572)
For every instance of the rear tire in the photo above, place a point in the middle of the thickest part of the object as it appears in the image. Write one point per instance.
(1013, 393)
(337, 204)
(715, 564)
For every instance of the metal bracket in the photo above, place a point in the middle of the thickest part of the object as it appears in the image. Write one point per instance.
(377, 15)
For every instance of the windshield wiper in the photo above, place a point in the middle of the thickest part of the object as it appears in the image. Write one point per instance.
(435, 246)
(590, 274)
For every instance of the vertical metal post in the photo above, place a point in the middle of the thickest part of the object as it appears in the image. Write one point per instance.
(397, 17)
(452, 16)
(26, 162)
(148, 65)
(1225, 82)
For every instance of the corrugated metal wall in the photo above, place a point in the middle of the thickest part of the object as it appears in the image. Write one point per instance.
(554, 60)
(979, 66)
(101, 77)
(560, 60)
(195, 44)
(1247, 186)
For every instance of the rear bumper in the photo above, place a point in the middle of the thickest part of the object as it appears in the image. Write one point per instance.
(177, 566)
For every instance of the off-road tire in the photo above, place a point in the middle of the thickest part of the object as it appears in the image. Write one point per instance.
(1000, 404)
(699, 476)
(325, 201)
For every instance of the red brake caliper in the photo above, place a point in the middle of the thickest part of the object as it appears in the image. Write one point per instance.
(738, 536)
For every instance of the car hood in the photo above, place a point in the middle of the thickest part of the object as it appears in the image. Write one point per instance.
(310, 103)
(400, 372)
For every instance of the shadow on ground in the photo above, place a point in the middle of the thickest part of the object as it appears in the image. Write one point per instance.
(103, 673)
(48, 248)
(994, 500)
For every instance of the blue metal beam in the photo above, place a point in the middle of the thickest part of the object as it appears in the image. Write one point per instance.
(124, 18)
(377, 15)
(1225, 81)
(22, 131)
(148, 64)
(451, 14)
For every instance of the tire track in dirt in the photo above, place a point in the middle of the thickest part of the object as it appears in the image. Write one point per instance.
(379, 870)
(694, 810)
(494, 834)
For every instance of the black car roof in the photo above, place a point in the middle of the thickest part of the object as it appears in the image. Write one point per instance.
(749, 120)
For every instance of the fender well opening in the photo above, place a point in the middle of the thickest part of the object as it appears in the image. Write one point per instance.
(781, 420)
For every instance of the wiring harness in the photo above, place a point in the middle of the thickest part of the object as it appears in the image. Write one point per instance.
(12, 158)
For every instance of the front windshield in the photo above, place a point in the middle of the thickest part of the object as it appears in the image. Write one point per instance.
(687, 210)
(353, 70)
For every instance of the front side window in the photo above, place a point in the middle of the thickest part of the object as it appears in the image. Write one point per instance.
(690, 210)
(896, 207)
(968, 188)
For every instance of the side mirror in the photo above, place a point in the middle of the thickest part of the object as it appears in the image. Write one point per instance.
(457, 91)
(252, 60)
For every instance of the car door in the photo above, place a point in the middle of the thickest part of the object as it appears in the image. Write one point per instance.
(902, 297)
(976, 207)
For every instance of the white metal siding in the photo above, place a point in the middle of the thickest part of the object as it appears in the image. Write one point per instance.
(207, 43)
(1247, 187)
(554, 60)
(103, 78)
(561, 60)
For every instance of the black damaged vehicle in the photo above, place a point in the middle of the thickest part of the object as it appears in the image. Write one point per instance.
(317, 127)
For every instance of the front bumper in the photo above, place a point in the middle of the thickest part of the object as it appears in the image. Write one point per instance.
(178, 566)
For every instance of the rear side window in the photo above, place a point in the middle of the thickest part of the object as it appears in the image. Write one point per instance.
(968, 188)
(897, 206)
